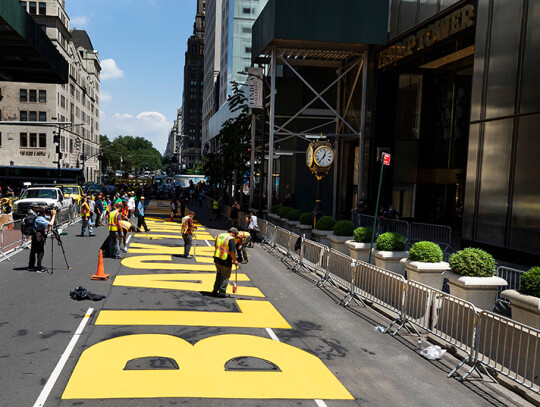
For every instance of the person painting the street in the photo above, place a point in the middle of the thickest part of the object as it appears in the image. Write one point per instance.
(85, 218)
(242, 240)
(187, 233)
(115, 231)
(140, 215)
(39, 237)
(224, 258)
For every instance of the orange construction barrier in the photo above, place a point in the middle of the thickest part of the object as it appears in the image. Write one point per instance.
(100, 275)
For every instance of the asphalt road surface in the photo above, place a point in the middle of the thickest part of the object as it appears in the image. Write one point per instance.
(159, 339)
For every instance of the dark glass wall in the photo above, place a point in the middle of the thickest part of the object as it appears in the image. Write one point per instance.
(502, 204)
(405, 14)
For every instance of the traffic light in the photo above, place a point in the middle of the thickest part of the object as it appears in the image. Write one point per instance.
(56, 138)
(78, 144)
(58, 149)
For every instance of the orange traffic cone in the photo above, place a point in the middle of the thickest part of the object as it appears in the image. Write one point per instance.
(100, 275)
(171, 219)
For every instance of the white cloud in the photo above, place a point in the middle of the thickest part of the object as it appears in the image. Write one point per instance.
(105, 96)
(109, 70)
(79, 22)
(153, 126)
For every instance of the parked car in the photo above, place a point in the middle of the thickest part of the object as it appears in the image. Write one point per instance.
(42, 196)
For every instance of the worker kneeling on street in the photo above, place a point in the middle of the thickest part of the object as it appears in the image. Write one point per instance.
(187, 233)
(42, 223)
(242, 240)
(224, 258)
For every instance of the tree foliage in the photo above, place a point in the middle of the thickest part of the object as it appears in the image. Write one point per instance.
(228, 165)
(126, 153)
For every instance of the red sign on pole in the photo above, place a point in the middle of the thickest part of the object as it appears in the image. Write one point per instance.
(386, 159)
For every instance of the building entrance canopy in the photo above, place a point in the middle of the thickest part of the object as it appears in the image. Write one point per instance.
(319, 34)
(26, 53)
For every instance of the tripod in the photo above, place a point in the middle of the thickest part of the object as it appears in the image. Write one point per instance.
(56, 236)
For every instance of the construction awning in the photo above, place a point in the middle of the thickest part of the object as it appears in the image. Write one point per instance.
(320, 29)
(26, 53)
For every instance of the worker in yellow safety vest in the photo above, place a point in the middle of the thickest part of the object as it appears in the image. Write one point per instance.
(215, 210)
(224, 258)
(187, 232)
(85, 215)
(241, 240)
(115, 231)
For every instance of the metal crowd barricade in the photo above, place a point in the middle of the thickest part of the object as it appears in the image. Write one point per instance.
(508, 347)
(292, 254)
(11, 238)
(394, 226)
(439, 234)
(380, 286)
(340, 271)
(447, 317)
(314, 256)
(365, 221)
(282, 241)
(512, 277)
(270, 238)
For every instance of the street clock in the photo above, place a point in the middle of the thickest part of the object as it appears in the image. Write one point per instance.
(319, 157)
(309, 156)
(324, 156)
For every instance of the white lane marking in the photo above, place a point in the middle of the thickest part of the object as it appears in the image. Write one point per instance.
(320, 403)
(63, 359)
(128, 239)
(272, 334)
(208, 243)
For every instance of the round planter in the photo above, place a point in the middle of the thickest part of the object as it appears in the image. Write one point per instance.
(338, 243)
(321, 236)
(304, 230)
(390, 261)
(480, 291)
(358, 251)
(525, 308)
(430, 274)
(291, 225)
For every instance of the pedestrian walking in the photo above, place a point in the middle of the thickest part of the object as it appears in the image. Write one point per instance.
(187, 233)
(253, 227)
(99, 210)
(174, 207)
(224, 258)
(39, 237)
(92, 205)
(131, 204)
(234, 214)
(140, 215)
(241, 240)
(215, 210)
(85, 218)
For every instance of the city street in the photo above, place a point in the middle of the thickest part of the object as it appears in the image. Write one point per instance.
(160, 339)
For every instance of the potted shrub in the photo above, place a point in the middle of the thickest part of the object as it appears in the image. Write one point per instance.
(342, 232)
(306, 224)
(471, 277)
(389, 251)
(425, 264)
(273, 217)
(360, 245)
(525, 304)
(323, 228)
(293, 220)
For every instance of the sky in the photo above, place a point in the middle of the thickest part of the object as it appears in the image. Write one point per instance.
(141, 46)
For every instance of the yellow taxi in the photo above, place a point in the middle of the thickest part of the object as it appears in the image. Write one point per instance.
(73, 191)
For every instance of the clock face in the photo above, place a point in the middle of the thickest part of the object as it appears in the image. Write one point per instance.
(324, 156)
(309, 156)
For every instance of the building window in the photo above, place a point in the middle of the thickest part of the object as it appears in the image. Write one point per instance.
(42, 96)
(42, 116)
(246, 30)
(42, 8)
(32, 7)
(23, 95)
(63, 101)
(23, 116)
(32, 116)
(42, 140)
(23, 140)
(33, 95)
(32, 140)
(246, 10)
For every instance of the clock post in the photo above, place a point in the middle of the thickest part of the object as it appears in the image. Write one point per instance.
(319, 159)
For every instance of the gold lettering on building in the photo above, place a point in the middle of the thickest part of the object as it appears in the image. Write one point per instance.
(426, 37)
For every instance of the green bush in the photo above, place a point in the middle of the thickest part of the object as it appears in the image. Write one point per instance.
(362, 235)
(294, 215)
(473, 262)
(426, 252)
(530, 282)
(343, 228)
(325, 223)
(283, 211)
(306, 219)
(391, 242)
(275, 208)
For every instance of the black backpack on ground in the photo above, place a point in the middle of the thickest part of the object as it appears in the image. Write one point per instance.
(27, 227)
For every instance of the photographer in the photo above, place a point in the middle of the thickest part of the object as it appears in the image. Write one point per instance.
(39, 237)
